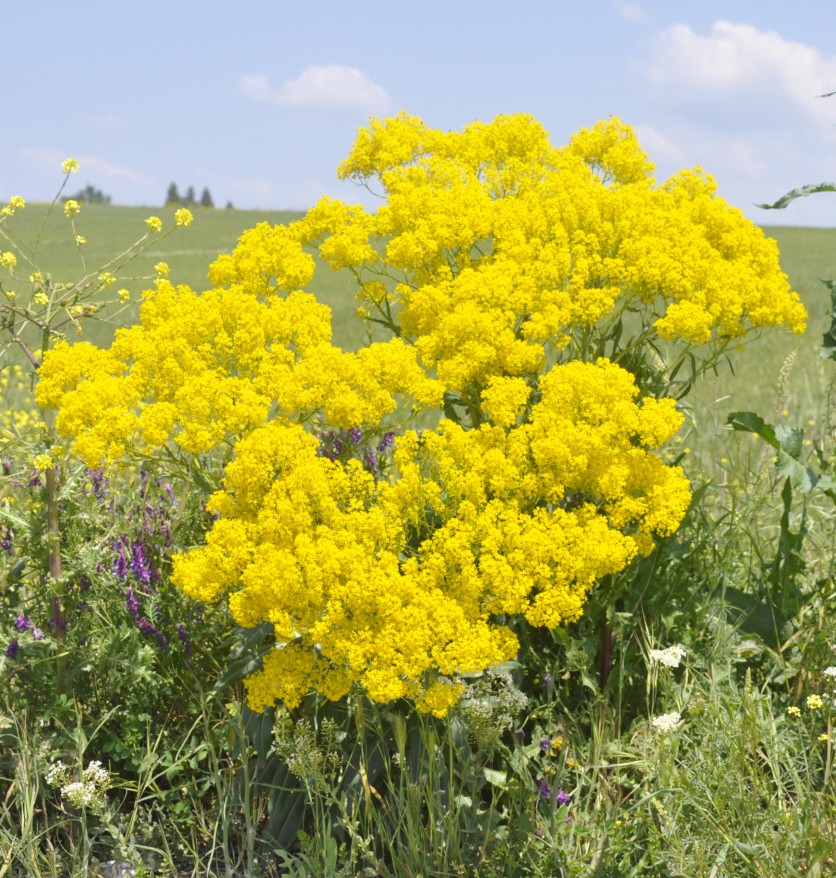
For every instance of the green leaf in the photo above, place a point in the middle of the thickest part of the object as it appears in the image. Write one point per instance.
(801, 192)
(828, 348)
(753, 616)
(749, 422)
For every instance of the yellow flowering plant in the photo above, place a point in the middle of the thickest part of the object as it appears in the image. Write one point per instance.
(37, 311)
(541, 302)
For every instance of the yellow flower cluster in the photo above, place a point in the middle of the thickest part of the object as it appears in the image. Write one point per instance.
(200, 370)
(400, 585)
(500, 264)
(510, 244)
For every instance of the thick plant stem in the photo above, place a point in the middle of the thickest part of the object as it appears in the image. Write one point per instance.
(55, 567)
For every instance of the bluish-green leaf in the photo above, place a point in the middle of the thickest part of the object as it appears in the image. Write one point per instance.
(801, 192)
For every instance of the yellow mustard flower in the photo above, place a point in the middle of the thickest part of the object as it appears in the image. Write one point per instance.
(8, 259)
(69, 166)
(154, 223)
(183, 217)
(71, 207)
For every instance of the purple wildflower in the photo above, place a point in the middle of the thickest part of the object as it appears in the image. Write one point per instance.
(370, 459)
(185, 639)
(37, 634)
(170, 491)
(100, 484)
(35, 479)
(563, 798)
(22, 623)
(147, 627)
(545, 790)
(519, 734)
(548, 681)
(8, 465)
(6, 541)
(387, 441)
(132, 603)
(545, 744)
(13, 648)
(355, 434)
(141, 565)
(120, 565)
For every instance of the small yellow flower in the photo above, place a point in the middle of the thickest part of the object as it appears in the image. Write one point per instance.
(556, 743)
(69, 166)
(36, 278)
(16, 203)
(815, 702)
(41, 298)
(794, 711)
(162, 269)
(107, 279)
(785, 413)
(572, 763)
(183, 217)
(76, 310)
(824, 738)
(71, 207)
(80, 239)
(124, 295)
(154, 223)
(8, 259)
(10, 293)
(43, 462)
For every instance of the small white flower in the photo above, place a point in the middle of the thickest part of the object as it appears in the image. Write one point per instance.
(79, 793)
(670, 657)
(830, 672)
(666, 722)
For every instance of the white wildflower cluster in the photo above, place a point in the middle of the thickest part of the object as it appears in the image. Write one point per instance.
(671, 657)
(490, 706)
(666, 722)
(84, 792)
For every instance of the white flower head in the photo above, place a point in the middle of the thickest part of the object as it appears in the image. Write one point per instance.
(666, 722)
(670, 657)
(830, 672)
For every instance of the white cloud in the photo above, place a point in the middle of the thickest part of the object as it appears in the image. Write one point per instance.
(630, 11)
(331, 86)
(738, 64)
(658, 147)
(88, 165)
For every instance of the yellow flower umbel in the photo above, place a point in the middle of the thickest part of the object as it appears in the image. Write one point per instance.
(503, 267)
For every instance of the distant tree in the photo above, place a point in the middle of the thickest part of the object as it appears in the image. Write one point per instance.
(229, 206)
(188, 198)
(90, 195)
(206, 198)
(172, 198)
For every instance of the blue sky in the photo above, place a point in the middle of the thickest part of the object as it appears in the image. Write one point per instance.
(259, 101)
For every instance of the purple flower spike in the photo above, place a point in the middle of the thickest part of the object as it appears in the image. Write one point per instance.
(13, 648)
(132, 603)
(387, 441)
(170, 491)
(147, 627)
(519, 734)
(37, 634)
(22, 623)
(355, 434)
(120, 565)
(545, 743)
(185, 639)
(141, 566)
(545, 790)
(563, 798)
(6, 541)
